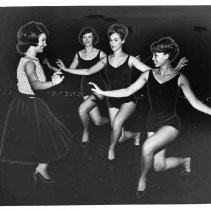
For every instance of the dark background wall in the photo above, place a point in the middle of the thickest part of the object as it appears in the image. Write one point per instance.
(188, 25)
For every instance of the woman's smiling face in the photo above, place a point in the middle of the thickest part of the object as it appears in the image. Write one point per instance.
(42, 43)
(115, 41)
(87, 39)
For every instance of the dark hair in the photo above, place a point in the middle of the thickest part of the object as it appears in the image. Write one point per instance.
(86, 30)
(120, 29)
(166, 45)
(28, 35)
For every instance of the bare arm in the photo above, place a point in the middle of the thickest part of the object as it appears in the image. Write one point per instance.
(135, 61)
(102, 54)
(189, 94)
(92, 70)
(35, 83)
(138, 84)
(75, 62)
(46, 62)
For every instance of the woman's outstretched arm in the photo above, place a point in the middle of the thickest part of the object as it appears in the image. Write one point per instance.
(73, 65)
(190, 96)
(138, 84)
(92, 70)
(134, 61)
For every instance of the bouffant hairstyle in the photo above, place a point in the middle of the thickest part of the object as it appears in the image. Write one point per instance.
(28, 35)
(120, 29)
(86, 30)
(166, 45)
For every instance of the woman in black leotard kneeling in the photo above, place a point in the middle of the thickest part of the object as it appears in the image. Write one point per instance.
(86, 58)
(118, 70)
(163, 123)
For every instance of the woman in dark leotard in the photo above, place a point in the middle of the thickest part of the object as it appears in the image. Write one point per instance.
(117, 78)
(163, 122)
(118, 70)
(86, 58)
(162, 113)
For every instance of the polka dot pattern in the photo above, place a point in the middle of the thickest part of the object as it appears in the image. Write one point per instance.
(23, 82)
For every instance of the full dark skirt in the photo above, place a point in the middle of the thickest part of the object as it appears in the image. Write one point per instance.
(32, 134)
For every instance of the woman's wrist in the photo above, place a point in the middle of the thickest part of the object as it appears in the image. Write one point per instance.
(66, 69)
(51, 84)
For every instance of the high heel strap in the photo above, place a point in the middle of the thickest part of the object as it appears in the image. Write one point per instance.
(37, 175)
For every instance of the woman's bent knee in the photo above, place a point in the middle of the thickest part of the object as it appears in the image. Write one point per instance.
(117, 125)
(147, 150)
(158, 167)
(81, 110)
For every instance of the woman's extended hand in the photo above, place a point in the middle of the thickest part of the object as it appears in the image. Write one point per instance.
(60, 64)
(96, 89)
(57, 79)
(183, 62)
(46, 62)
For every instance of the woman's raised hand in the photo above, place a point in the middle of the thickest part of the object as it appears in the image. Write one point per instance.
(60, 64)
(96, 89)
(183, 62)
(46, 62)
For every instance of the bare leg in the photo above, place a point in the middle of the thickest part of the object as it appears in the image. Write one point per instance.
(117, 124)
(112, 113)
(97, 118)
(161, 163)
(129, 135)
(84, 110)
(153, 143)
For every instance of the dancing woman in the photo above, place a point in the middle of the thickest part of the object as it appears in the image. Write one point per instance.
(118, 71)
(86, 58)
(32, 134)
(163, 123)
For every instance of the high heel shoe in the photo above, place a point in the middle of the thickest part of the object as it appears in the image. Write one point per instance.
(85, 143)
(187, 170)
(37, 175)
(140, 194)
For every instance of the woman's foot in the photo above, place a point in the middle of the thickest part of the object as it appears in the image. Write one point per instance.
(122, 138)
(187, 166)
(137, 139)
(142, 188)
(111, 154)
(43, 176)
(85, 139)
(43, 172)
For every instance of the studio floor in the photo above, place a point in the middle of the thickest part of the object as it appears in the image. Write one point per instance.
(86, 177)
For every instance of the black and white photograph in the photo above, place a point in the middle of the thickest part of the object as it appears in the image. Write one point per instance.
(105, 104)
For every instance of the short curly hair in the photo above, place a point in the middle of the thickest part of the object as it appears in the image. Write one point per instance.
(120, 29)
(28, 35)
(166, 45)
(86, 30)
